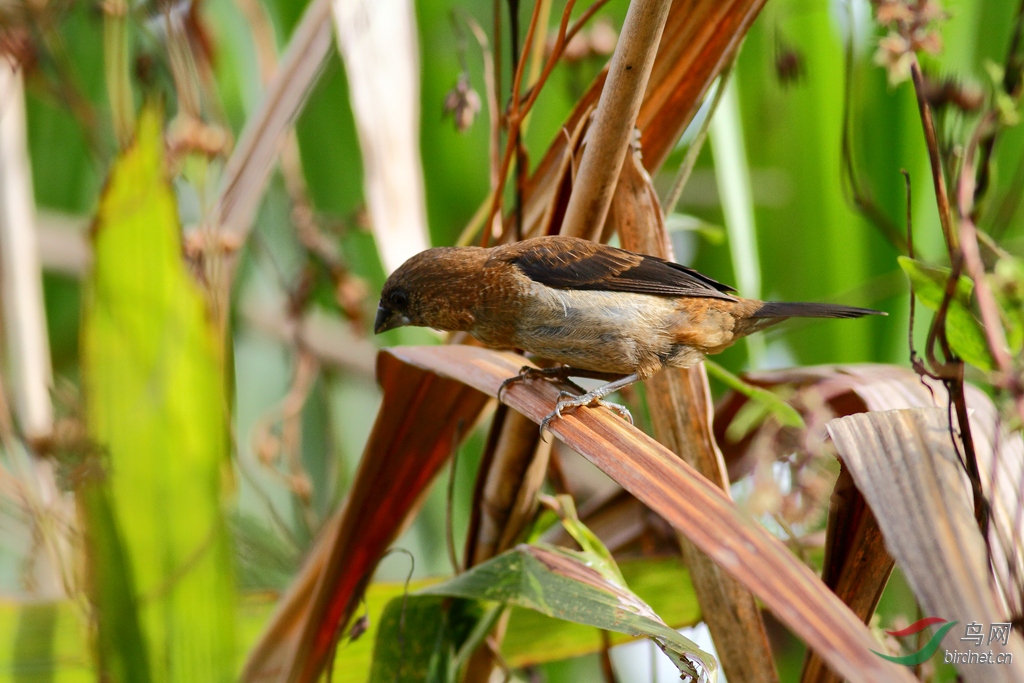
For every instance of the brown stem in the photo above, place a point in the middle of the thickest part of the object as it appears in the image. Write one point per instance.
(938, 176)
(615, 117)
(859, 195)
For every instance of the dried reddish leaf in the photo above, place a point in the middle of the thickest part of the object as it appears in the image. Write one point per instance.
(416, 429)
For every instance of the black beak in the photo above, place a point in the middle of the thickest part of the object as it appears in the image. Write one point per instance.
(388, 320)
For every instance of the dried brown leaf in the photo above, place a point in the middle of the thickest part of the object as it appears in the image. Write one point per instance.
(691, 503)
(904, 463)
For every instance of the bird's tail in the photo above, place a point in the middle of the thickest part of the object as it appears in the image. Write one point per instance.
(779, 309)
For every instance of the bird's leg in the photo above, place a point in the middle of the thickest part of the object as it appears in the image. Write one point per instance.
(557, 373)
(567, 400)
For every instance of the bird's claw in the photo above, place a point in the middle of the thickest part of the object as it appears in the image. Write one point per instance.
(527, 373)
(524, 375)
(568, 400)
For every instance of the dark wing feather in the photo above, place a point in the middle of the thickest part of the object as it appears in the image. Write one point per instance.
(572, 263)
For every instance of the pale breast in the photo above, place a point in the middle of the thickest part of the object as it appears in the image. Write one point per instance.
(604, 331)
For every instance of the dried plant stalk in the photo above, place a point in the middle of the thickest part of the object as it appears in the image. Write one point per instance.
(680, 405)
(615, 117)
(28, 346)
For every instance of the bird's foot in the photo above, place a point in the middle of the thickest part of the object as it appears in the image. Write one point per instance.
(528, 373)
(567, 400)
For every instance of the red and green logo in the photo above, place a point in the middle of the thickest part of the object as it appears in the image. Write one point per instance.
(926, 652)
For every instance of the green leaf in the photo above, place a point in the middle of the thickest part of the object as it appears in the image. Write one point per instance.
(156, 406)
(964, 331)
(600, 558)
(764, 402)
(663, 583)
(559, 583)
(419, 638)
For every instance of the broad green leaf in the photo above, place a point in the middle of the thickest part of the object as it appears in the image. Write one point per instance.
(664, 584)
(964, 331)
(154, 383)
(559, 583)
(53, 637)
(420, 637)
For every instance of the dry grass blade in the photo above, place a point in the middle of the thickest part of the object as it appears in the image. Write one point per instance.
(680, 405)
(252, 160)
(688, 501)
(411, 440)
(378, 44)
(904, 463)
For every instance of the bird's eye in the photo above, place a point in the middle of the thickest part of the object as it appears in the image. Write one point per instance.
(399, 299)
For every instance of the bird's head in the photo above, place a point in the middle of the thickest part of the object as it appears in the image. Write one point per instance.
(435, 288)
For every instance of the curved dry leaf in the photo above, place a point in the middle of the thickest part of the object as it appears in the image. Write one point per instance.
(904, 463)
(849, 389)
(691, 503)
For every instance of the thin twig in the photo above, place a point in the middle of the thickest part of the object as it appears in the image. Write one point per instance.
(860, 197)
(518, 112)
(938, 175)
(514, 118)
(690, 160)
(491, 92)
(972, 260)
(989, 309)
(1012, 70)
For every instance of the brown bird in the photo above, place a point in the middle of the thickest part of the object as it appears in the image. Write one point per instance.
(602, 312)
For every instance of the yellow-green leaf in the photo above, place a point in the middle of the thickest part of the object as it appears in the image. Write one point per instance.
(963, 330)
(156, 407)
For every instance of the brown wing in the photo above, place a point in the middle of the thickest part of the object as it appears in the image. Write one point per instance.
(573, 263)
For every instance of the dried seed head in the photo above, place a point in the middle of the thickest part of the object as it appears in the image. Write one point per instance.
(462, 103)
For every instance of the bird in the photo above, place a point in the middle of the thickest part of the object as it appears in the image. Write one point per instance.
(598, 311)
